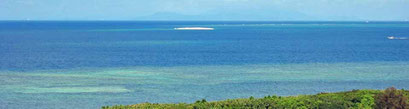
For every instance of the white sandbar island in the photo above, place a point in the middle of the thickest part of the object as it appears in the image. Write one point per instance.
(194, 28)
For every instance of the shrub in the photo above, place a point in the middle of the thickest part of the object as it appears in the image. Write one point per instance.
(392, 99)
(367, 102)
(356, 99)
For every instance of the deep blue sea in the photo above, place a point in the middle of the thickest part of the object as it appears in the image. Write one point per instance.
(89, 64)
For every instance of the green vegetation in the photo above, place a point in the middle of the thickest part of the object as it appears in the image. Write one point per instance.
(392, 99)
(355, 99)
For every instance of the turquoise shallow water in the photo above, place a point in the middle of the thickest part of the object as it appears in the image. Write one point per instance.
(93, 87)
(91, 64)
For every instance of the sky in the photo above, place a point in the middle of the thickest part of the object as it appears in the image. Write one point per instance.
(269, 10)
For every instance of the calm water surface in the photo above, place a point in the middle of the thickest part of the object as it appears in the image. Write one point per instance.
(89, 64)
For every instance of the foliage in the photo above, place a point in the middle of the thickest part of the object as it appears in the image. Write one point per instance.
(355, 99)
(392, 99)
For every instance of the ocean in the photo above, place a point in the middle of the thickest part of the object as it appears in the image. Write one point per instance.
(89, 64)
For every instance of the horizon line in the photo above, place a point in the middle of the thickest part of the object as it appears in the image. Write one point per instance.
(214, 20)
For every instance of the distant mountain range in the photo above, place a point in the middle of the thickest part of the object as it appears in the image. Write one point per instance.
(228, 15)
(242, 16)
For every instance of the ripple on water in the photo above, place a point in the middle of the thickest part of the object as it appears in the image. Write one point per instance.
(104, 89)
